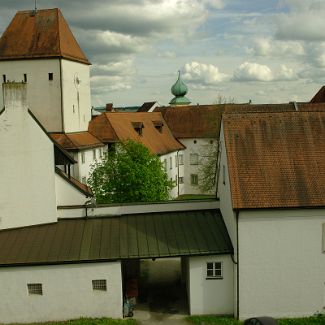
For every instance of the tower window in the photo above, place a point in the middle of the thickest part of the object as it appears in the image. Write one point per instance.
(4, 77)
(51, 76)
(25, 77)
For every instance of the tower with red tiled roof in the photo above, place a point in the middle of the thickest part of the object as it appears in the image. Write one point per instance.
(39, 48)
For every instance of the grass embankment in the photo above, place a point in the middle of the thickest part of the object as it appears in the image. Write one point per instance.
(91, 321)
(214, 320)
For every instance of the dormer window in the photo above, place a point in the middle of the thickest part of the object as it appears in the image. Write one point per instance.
(138, 126)
(158, 125)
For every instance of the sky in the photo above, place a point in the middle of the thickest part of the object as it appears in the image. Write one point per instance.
(266, 51)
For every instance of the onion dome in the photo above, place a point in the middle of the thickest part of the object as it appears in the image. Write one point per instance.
(179, 90)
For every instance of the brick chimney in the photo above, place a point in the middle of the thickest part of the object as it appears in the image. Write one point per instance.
(109, 107)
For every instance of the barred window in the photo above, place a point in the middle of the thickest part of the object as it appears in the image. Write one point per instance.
(99, 285)
(35, 288)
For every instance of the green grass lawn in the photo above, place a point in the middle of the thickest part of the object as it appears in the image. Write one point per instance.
(215, 320)
(92, 321)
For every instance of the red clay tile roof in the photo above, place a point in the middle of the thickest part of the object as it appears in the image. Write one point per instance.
(115, 126)
(276, 160)
(45, 34)
(200, 121)
(319, 96)
(76, 140)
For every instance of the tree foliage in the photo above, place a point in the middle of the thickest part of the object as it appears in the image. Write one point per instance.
(129, 172)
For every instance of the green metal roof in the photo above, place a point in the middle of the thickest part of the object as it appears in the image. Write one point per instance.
(150, 235)
(179, 90)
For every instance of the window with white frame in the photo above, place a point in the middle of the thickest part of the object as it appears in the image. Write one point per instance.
(194, 179)
(82, 157)
(181, 180)
(180, 159)
(214, 270)
(99, 285)
(194, 159)
(35, 289)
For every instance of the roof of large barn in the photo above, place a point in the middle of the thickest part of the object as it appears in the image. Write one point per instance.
(154, 134)
(40, 34)
(276, 160)
(150, 235)
(76, 140)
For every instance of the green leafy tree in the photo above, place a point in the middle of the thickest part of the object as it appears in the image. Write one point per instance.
(129, 172)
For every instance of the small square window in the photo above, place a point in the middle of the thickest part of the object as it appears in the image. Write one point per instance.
(194, 159)
(194, 179)
(99, 285)
(181, 180)
(25, 77)
(35, 289)
(51, 76)
(214, 270)
(194, 141)
(4, 78)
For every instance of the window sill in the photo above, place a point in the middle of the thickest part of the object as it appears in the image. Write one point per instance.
(214, 278)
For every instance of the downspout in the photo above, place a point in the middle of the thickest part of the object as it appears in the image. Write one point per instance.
(177, 173)
(61, 91)
(237, 264)
(217, 171)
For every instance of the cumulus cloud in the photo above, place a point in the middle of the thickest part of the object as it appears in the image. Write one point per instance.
(286, 73)
(304, 21)
(202, 75)
(249, 71)
(268, 47)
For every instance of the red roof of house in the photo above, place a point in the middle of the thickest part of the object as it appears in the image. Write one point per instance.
(44, 34)
(276, 160)
(319, 96)
(116, 126)
(76, 140)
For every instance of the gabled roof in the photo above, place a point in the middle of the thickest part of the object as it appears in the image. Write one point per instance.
(197, 121)
(149, 235)
(44, 34)
(147, 106)
(276, 160)
(319, 96)
(116, 126)
(76, 140)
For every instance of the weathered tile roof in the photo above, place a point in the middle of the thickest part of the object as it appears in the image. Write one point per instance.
(200, 121)
(150, 235)
(44, 34)
(276, 160)
(115, 126)
(76, 140)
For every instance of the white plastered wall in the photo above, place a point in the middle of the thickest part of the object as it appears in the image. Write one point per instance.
(173, 172)
(27, 194)
(76, 96)
(200, 147)
(67, 292)
(67, 194)
(281, 263)
(43, 95)
(210, 296)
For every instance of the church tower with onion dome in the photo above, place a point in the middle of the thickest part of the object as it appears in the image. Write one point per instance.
(179, 90)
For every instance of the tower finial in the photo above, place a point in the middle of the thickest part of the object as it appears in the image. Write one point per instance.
(179, 90)
(35, 9)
